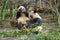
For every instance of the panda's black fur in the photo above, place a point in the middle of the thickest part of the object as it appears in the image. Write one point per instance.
(19, 14)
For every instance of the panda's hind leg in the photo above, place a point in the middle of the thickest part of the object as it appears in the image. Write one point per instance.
(19, 26)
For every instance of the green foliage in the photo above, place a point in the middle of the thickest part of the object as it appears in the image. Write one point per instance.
(14, 33)
(53, 35)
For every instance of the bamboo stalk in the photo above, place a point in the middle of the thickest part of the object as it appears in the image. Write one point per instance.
(40, 2)
(2, 8)
(13, 9)
(0, 13)
(4, 11)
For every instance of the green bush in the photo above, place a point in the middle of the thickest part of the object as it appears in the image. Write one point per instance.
(53, 35)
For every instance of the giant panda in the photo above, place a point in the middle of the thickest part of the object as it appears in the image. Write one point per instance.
(23, 21)
(36, 18)
(22, 17)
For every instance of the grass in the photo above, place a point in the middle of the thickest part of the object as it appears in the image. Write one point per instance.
(53, 35)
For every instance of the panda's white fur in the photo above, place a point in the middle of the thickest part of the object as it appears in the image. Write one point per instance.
(35, 15)
(21, 7)
(22, 20)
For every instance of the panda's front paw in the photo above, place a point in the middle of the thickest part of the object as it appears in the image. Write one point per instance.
(39, 28)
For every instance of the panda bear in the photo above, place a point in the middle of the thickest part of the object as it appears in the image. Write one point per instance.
(23, 21)
(22, 17)
(36, 19)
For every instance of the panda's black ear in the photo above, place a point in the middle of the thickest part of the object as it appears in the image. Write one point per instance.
(20, 10)
(18, 6)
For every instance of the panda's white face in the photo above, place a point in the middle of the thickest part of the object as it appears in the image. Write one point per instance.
(22, 8)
